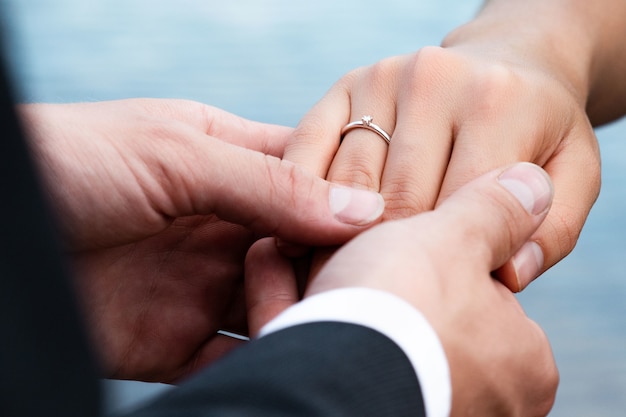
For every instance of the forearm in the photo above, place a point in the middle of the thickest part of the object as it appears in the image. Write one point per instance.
(576, 41)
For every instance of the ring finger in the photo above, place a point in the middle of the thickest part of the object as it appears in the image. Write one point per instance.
(360, 159)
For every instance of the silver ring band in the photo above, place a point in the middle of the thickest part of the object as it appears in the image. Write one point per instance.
(366, 123)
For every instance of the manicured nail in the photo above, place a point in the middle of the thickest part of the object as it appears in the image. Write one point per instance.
(356, 207)
(531, 186)
(528, 262)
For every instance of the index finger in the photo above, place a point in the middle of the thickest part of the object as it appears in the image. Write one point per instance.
(262, 137)
(315, 140)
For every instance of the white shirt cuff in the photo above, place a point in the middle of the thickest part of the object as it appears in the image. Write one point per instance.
(391, 316)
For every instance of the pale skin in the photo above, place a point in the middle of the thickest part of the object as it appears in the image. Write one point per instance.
(135, 187)
(158, 202)
(511, 85)
(523, 81)
(500, 361)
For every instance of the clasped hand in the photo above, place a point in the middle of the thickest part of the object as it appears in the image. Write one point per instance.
(453, 114)
(161, 200)
(158, 202)
(440, 262)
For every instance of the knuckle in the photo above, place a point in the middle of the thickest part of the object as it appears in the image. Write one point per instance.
(312, 145)
(284, 178)
(493, 87)
(562, 229)
(381, 78)
(490, 86)
(357, 172)
(346, 82)
(401, 202)
(314, 131)
(308, 131)
(429, 57)
(294, 189)
(427, 70)
(280, 182)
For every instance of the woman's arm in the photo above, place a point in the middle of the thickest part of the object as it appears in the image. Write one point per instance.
(579, 42)
(514, 84)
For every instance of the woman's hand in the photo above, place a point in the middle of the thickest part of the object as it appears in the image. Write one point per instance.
(453, 113)
(440, 263)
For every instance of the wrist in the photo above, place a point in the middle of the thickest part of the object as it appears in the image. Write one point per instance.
(577, 42)
(534, 36)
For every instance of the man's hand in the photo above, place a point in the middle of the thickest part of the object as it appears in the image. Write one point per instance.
(441, 262)
(158, 202)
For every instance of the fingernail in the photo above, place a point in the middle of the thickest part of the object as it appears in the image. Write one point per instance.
(356, 207)
(528, 262)
(530, 185)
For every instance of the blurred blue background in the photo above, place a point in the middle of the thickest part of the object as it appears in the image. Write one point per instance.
(271, 60)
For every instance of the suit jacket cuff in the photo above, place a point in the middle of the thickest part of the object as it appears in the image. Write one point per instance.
(391, 316)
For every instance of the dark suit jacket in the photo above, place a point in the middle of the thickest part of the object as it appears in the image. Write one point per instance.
(318, 369)
(46, 368)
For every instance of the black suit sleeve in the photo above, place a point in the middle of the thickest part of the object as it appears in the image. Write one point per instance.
(318, 369)
(45, 364)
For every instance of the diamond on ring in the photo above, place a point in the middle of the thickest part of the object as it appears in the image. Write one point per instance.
(366, 122)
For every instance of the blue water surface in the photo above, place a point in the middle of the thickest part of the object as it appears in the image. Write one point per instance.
(271, 60)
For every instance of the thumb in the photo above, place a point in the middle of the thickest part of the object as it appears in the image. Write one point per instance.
(497, 218)
(473, 232)
(268, 195)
